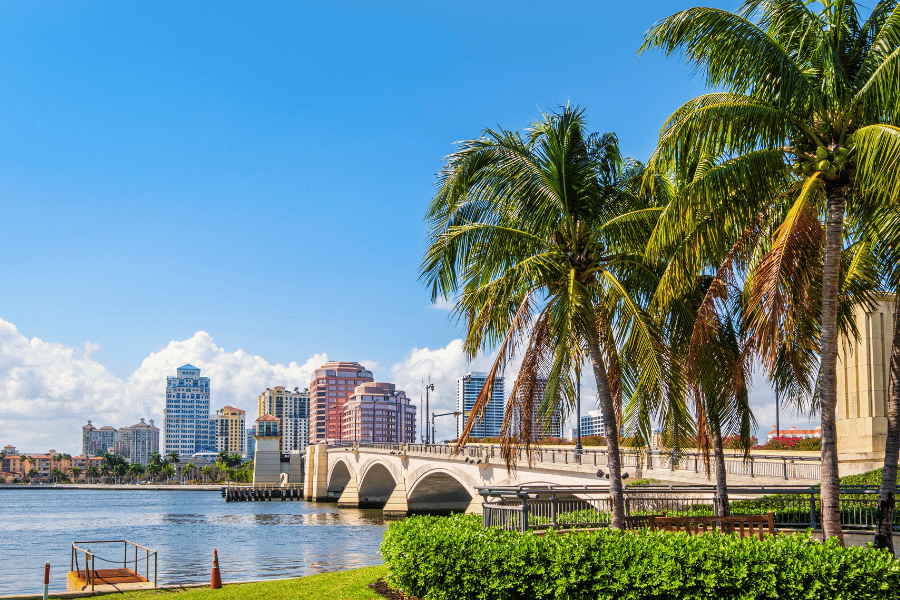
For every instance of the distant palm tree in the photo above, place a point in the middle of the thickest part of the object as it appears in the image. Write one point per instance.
(32, 473)
(155, 458)
(174, 459)
(76, 472)
(136, 470)
(207, 472)
(93, 472)
(189, 467)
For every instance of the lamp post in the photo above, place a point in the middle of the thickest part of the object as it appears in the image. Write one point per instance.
(428, 388)
(578, 412)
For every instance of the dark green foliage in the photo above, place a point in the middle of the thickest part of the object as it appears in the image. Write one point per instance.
(867, 478)
(451, 558)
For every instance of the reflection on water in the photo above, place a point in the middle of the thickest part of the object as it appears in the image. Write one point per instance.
(255, 540)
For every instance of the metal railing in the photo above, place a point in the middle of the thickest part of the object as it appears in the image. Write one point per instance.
(523, 508)
(785, 467)
(90, 558)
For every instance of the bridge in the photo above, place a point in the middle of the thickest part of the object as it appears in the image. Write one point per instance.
(405, 479)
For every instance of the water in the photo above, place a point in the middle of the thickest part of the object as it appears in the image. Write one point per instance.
(255, 540)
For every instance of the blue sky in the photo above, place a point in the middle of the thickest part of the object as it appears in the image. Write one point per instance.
(258, 171)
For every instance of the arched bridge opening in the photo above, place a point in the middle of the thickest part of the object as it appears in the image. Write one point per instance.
(340, 477)
(376, 487)
(439, 493)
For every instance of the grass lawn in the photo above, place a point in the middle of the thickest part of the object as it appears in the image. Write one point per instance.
(341, 585)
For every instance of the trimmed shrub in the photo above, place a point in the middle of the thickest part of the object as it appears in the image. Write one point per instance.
(450, 558)
(867, 478)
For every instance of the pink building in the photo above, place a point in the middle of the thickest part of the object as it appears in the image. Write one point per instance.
(377, 412)
(331, 387)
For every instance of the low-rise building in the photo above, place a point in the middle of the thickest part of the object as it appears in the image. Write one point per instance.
(793, 432)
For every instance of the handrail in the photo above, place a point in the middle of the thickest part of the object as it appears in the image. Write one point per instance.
(90, 560)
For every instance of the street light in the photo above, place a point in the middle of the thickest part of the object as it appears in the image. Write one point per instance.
(454, 413)
(578, 411)
(428, 388)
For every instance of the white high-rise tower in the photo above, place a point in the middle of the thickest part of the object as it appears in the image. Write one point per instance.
(187, 428)
(468, 388)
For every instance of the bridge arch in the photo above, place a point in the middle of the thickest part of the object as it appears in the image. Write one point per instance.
(440, 489)
(377, 480)
(339, 477)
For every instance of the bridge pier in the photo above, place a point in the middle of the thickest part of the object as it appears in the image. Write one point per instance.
(350, 496)
(397, 505)
(315, 486)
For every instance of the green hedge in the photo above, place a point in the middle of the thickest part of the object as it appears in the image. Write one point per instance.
(454, 558)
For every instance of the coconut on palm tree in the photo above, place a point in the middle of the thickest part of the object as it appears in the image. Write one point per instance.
(814, 93)
(536, 236)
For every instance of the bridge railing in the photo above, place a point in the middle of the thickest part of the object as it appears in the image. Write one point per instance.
(755, 465)
(523, 508)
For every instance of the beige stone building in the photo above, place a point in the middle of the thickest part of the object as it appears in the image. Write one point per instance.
(862, 381)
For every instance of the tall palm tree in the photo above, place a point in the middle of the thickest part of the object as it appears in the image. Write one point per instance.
(76, 473)
(814, 92)
(174, 459)
(189, 467)
(92, 471)
(207, 471)
(535, 231)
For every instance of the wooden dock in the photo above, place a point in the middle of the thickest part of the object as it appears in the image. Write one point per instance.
(257, 493)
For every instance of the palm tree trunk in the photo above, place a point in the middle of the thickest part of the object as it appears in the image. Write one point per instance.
(884, 525)
(605, 400)
(834, 230)
(724, 508)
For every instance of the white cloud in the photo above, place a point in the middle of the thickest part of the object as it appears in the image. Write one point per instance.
(443, 304)
(48, 390)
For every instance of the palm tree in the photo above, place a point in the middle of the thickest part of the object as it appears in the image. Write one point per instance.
(814, 92)
(189, 467)
(532, 232)
(174, 460)
(92, 471)
(136, 470)
(76, 473)
(168, 470)
(154, 469)
(32, 473)
(207, 472)
(155, 458)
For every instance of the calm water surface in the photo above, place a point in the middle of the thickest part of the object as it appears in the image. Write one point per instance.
(255, 540)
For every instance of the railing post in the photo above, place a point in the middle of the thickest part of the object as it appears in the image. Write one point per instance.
(812, 510)
(524, 515)
(751, 467)
(553, 511)
(784, 467)
(627, 506)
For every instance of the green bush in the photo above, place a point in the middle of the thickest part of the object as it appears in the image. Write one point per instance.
(867, 478)
(451, 558)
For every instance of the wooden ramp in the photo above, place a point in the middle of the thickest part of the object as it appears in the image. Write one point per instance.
(106, 580)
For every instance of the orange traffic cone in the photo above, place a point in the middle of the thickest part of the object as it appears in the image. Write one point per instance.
(215, 580)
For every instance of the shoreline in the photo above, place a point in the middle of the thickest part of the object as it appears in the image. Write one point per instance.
(115, 486)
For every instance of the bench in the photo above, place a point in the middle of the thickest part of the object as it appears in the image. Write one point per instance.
(745, 525)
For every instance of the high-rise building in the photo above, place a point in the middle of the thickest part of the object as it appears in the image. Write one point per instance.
(333, 383)
(230, 426)
(143, 441)
(542, 427)
(468, 388)
(187, 428)
(592, 423)
(251, 443)
(292, 408)
(378, 412)
(97, 441)
(134, 443)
